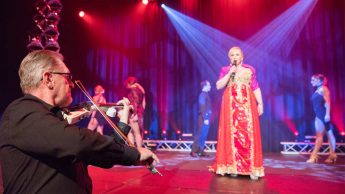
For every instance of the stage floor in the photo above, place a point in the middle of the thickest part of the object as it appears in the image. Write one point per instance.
(186, 175)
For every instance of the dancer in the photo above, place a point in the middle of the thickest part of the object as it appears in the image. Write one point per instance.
(136, 96)
(322, 108)
(97, 121)
(239, 142)
(204, 116)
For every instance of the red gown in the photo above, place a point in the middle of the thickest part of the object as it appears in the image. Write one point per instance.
(239, 141)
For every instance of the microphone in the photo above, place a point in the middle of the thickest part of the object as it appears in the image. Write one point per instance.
(232, 76)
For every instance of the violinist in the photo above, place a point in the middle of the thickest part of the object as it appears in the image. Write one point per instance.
(96, 121)
(40, 152)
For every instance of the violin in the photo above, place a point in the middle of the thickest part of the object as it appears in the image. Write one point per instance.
(84, 111)
(76, 113)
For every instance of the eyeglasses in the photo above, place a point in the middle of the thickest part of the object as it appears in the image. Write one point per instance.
(67, 75)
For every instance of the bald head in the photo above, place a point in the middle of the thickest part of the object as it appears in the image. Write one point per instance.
(235, 55)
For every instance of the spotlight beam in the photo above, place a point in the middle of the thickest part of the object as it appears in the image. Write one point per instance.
(280, 35)
(268, 49)
(205, 44)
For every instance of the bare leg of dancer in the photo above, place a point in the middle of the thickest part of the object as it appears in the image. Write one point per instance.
(135, 132)
(319, 128)
(332, 157)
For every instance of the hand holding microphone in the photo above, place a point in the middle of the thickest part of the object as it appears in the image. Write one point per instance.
(233, 70)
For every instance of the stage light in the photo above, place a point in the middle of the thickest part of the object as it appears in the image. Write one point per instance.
(81, 14)
(296, 133)
(41, 6)
(164, 134)
(51, 30)
(342, 133)
(35, 44)
(54, 5)
(145, 2)
(53, 17)
(52, 44)
(39, 19)
(178, 134)
(162, 5)
(46, 29)
(146, 134)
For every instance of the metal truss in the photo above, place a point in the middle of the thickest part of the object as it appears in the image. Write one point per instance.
(177, 145)
(210, 146)
(307, 148)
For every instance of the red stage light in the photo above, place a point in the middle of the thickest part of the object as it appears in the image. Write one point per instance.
(164, 132)
(296, 133)
(342, 133)
(81, 14)
(145, 2)
(146, 132)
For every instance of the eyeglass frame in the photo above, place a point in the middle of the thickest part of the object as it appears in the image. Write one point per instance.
(67, 75)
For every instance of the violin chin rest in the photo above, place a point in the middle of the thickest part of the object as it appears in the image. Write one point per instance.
(75, 116)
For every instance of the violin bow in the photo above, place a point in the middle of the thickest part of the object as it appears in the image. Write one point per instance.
(150, 166)
(105, 116)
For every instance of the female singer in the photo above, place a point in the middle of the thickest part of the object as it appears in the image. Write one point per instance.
(239, 142)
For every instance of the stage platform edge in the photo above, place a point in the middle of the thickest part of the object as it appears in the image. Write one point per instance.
(210, 146)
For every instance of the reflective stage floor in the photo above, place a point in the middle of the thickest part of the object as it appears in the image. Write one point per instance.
(183, 174)
(186, 175)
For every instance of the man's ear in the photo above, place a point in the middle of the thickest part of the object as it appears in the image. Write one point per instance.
(48, 80)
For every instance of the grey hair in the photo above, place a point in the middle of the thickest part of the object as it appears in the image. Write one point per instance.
(34, 64)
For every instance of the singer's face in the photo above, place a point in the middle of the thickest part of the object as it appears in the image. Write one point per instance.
(235, 56)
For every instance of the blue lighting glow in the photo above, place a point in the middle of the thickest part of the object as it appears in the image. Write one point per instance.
(267, 50)
(206, 45)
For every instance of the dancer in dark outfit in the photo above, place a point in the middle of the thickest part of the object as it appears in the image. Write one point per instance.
(322, 108)
(205, 111)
